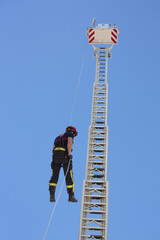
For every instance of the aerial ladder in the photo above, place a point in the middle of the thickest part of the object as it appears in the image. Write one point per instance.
(94, 205)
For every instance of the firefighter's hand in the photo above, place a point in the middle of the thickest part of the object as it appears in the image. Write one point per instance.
(70, 157)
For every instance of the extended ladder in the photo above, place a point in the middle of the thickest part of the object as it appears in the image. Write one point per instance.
(94, 207)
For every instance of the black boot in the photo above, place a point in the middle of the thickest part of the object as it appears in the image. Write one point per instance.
(52, 193)
(71, 195)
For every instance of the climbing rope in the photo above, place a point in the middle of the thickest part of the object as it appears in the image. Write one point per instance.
(78, 84)
(56, 202)
(74, 103)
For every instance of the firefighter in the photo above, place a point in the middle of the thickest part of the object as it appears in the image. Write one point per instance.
(62, 158)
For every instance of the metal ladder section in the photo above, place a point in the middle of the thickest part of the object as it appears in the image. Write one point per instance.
(94, 206)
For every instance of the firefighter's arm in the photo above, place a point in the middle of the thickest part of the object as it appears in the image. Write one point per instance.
(69, 145)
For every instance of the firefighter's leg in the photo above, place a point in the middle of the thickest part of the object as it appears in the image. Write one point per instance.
(53, 181)
(69, 181)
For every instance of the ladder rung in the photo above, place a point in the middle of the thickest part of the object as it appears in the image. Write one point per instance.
(96, 182)
(97, 150)
(93, 237)
(94, 212)
(93, 228)
(98, 138)
(95, 204)
(96, 163)
(95, 196)
(96, 168)
(96, 189)
(100, 101)
(94, 219)
(96, 128)
(99, 108)
(94, 145)
(98, 176)
(98, 159)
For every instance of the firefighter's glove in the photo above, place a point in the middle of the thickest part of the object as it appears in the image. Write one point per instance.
(70, 157)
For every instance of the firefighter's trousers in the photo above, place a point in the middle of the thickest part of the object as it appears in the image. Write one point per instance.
(55, 175)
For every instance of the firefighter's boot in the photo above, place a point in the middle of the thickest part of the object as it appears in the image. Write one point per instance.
(71, 195)
(52, 193)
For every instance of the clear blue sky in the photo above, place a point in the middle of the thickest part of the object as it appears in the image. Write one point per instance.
(41, 49)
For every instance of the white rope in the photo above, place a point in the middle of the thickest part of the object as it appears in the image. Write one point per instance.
(74, 103)
(78, 84)
(56, 202)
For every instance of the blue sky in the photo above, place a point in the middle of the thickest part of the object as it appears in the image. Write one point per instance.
(42, 44)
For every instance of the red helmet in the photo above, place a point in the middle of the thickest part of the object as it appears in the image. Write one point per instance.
(72, 130)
